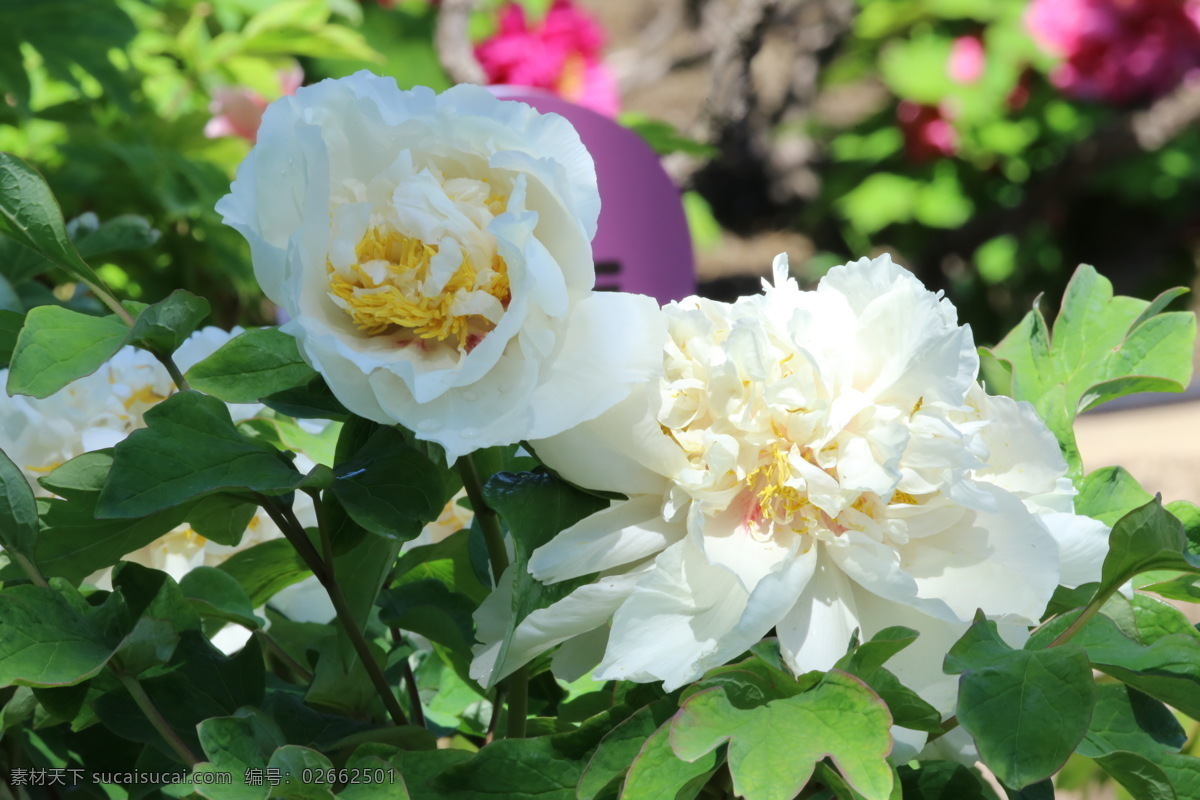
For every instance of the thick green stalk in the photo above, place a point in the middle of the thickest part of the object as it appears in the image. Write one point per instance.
(155, 716)
(516, 687)
(323, 569)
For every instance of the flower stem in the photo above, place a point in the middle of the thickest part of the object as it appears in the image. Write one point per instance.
(173, 370)
(410, 683)
(277, 651)
(323, 569)
(516, 686)
(1088, 612)
(489, 522)
(155, 716)
(30, 569)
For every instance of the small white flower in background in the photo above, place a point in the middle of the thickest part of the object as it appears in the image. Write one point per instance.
(100, 410)
(432, 254)
(813, 463)
(454, 518)
(97, 410)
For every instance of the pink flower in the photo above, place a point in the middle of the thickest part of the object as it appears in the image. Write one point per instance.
(1118, 51)
(237, 110)
(966, 60)
(928, 134)
(561, 54)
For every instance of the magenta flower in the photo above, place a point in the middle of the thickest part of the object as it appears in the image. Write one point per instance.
(560, 54)
(1118, 51)
(237, 110)
(966, 60)
(928, 134)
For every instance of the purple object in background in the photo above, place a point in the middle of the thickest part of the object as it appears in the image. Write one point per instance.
(642, 242)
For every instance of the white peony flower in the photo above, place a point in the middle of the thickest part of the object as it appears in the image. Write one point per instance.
(97, 410)
(813, 463)
(100, 410)
(432, 253)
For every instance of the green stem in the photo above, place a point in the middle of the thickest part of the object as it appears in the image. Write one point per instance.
(277, 651)
(518, 703)
(1088, 612)
(410, 682)
(30, 569)
(489, 521)
(173, 370)
(109, 299)
(323, 569)
(516, 687)
(155, 716)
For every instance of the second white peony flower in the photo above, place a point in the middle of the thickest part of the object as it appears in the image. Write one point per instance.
(810, 463)
(433, 255)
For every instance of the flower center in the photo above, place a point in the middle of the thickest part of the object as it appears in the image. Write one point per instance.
(396, 287)
(777, 501)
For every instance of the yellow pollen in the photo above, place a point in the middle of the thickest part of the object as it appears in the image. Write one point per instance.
(777, 501)
(143, 395)
(903, 497)
(397, 302)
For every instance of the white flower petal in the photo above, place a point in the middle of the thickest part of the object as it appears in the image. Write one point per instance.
(625, 532)
(674, 623)
(815, 633)
(1003, 562)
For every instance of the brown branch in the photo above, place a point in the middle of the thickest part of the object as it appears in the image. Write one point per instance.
(453, 42)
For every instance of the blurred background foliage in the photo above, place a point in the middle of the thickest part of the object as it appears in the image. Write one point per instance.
(977, 140)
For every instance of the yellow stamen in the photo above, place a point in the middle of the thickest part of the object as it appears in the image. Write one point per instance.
(777, 501)
(396, 302)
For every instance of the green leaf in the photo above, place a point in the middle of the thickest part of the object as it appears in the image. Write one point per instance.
(73, 544)
(774, 748)
(58, 346)
(941, 780)
(531, 768)
(657, 773)
(1109, 493)
(1143, 778)
(81, 476)
(222, 518)
(313, 400)
(164, 326)
(124, 232)
(866, 662)
(293, 762)
(30, 215)
(159, 614)
(46, 640)
(375, 760)
(250, 366)
(203, 683)
(69, 36)
(1168, 669)
(218, 595)
(233, 745)
(390, 488)
(535, 506)
(1126, 719)
(149, 474)
(11, 323)
(1102, 347)
(1147, 538)
(429, 608)
(621, 746)
(18, 511)
(1026, 710)
(340, 682)
(265, 568)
